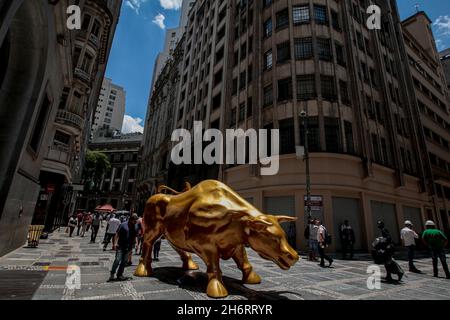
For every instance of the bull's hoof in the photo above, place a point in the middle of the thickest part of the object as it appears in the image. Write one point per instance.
(216, 289)
(142, 271)
(252, 278)
(190, 265)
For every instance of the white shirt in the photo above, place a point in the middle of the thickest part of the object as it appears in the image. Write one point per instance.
(321, 234)
(408, 235)
(113, 225)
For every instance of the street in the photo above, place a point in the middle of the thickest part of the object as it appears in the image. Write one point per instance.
(41, 274)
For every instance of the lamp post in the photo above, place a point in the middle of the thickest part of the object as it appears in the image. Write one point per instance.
(304, 115)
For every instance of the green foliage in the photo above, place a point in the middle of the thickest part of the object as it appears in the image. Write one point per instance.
(95, 166)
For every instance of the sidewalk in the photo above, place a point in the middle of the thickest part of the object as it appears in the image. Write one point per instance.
(41, 274)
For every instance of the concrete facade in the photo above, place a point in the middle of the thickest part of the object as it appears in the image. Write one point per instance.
(445, 60)
(110, 110)
(118, 186)
(48, 82)
(259, 64)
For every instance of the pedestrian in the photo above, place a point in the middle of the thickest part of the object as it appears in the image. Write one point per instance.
(311, 234)
(111, 230)
(84, 226)
(88, 221)
(73, 222)
(385, 248)
(140, 236)
(409, 236)
(347, 236)
(156, 249)
(436, 242)
(79, 222)
(124, 243)
(96, 218)
(324, 240)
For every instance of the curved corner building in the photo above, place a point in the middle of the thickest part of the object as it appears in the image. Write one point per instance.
(260, 64)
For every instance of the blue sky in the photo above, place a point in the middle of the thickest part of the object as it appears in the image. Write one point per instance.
(140, 36)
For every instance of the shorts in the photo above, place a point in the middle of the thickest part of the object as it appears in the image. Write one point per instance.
(314, 245)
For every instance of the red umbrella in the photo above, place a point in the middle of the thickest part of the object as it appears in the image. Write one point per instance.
(105, 208)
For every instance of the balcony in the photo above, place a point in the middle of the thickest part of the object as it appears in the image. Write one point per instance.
(83, 75)
(83, 35)
(59, 154)
(69, 118)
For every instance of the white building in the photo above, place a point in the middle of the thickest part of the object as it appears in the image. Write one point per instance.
(172, 37)
(111, 107)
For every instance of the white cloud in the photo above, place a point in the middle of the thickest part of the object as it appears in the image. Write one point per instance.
(135, 4)
(132, 125)
(159, 21)
(171, 4)
(442, 32)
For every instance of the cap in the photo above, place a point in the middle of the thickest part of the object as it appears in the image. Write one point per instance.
(408, 223)
(429, 223)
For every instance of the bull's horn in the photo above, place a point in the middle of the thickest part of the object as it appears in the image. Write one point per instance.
(282, 219)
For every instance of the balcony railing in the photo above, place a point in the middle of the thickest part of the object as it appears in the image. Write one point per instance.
(83, 75)
(70, 118)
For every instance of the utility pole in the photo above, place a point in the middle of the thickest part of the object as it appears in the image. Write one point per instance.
(304, 115)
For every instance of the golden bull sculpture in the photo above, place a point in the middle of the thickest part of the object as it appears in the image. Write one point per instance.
(213, 222)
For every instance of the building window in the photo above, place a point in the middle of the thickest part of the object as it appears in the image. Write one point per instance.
(343, 87)
(40, 124)
(306, 87)
(233, 117)
(287, 136)
(61, 138)
(303, 48)
(332, 135)
(335, 20)
(4, 57)
(268, 60)
(340, 58)
(300, 15)
(242, 112)
(348, 130)
(285, 89)
(313, 134)
(267, 3)
(324, 49)
(376, 149)
(328, 90)
(268, 28)
(283, 52)
(320, 14)
(282, 19)
(268, 96)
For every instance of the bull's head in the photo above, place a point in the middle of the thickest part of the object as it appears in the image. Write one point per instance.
(268, 239)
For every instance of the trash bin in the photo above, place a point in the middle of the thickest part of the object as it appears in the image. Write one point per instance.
(34, 234)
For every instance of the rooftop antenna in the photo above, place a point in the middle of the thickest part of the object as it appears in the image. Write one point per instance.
(417, 6)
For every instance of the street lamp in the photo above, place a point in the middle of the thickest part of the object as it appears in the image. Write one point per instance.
(304, 116)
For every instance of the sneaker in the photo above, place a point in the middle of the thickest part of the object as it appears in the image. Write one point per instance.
(415, 270)
(331, 262)
(122, 278)
(111, 278)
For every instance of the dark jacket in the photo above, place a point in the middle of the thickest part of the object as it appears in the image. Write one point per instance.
(127, 236)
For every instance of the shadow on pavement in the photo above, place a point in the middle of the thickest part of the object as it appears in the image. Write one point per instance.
(196, 281)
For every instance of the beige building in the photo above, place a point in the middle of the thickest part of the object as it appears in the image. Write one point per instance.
(50, 79)
(110, 110)
(260, 64)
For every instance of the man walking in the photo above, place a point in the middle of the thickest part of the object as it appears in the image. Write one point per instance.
(111, 230)
(436, 241)
(124, 243)
(387, 247)
(409, 236)
(79, 222)
(95, 226)
(323, 239)
(347, 236)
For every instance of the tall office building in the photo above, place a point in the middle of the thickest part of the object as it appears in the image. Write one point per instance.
(50, 79)
(110, 109)
(264, 64)
(445, 60)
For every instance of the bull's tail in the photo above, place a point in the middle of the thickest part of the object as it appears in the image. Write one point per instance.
(163, 188)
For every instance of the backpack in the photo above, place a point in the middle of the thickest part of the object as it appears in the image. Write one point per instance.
(328, 238)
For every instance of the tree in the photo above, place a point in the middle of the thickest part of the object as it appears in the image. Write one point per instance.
(95, 166)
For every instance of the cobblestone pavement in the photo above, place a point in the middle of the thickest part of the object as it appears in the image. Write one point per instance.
(41, 274)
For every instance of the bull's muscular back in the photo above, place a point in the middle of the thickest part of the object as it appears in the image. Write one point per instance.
(204, 211)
